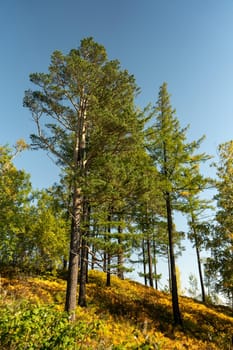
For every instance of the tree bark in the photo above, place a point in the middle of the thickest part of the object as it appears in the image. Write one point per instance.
(150, 263)
(75, 241)
(84, 256)
(155, 265)
(200, 271)
(79, 159)
(108, 276)
(120, 255)
(175, 299)
(144, 262)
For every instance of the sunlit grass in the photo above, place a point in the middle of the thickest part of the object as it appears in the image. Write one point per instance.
(127, 315)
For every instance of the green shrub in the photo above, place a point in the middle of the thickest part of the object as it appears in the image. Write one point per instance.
(40, 327)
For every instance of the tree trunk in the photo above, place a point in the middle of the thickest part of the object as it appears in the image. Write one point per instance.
(155, 265)
(83, 277)
(169, 270)
(84, 256)
(150, 263)
(175, 299)
(144, 262)
(108, 276)
(79, 158)
(200, 271)
(75, 240)
(120, 255)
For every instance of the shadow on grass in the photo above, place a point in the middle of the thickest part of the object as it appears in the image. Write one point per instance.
(154, 308)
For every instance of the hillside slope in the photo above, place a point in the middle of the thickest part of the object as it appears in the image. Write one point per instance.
(126, 315)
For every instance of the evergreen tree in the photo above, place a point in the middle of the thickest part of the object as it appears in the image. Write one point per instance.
(173, 158)
(199, 232)
(221, 261)
(84, 111)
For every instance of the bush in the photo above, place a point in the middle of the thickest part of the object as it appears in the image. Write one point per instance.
(40, 327)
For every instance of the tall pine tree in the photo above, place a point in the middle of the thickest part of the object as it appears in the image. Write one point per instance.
(174, 158)
(84, 110)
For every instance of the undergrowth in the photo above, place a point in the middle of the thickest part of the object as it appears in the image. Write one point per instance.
(124, 316)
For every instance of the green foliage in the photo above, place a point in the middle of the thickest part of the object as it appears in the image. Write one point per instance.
(219, 264)
(85, 117)
(34, 327)
(126, 316)
(33, 228)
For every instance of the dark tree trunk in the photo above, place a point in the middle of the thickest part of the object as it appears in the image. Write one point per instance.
(169, 270)
(82, 278)
(120, 255)
(200, 271)
(175, 299)
(84, 255)
(150, 263)
(155, 266)
(105, 262)
(144, 262)
(108, 276)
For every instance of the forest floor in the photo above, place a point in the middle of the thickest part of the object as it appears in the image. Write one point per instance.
(126, 315)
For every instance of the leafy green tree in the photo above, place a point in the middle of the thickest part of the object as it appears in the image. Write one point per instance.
(174, 158)
(221, 261)
(14, 192)
(84, 111)
(199, 230)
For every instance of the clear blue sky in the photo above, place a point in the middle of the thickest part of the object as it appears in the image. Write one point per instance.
(187, 43)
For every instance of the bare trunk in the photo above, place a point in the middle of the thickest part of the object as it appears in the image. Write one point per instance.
(108, 277)
(72, 280)
(169, 270)
(83, 277)
(120, 255)
(79, 159)
(150, 263)
(84, 257)
(144, 262)
(198, 260)
(200, 272)
(175, 299)
(155, 266)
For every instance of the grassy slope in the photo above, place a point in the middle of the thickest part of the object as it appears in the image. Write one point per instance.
(129, 315)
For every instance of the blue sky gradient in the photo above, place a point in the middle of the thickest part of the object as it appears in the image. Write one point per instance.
(187, 43)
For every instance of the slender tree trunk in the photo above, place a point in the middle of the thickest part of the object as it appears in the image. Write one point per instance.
(169, 270)
(93, 249)
(120, 255)
(108, 276)
(79, 158)
(84, 257)
(175, 299)
(105, 262)
(82, 278)
(198, 260)
(155, 265)
(72, 280)
(144, 262)
(150, 263)
(200, 271)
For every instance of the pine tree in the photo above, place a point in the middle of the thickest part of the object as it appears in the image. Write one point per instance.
(173, 157)
(84, 111)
